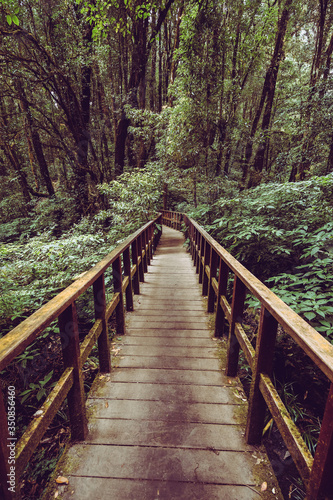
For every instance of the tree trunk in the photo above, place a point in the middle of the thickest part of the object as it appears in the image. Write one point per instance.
(160, 75)
(121, 135)
(267, 95)
(35, 139)
(299, 172)
(329, 166)
(152, 83)
(137, 79)
(21, 178)
(175, 47)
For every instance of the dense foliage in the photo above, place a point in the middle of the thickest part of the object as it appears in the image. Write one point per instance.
(283, 233)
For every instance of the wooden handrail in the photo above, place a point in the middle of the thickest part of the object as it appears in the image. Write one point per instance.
(129, 261)
(212, 260)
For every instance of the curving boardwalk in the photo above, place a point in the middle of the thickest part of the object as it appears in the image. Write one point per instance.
(167, 423)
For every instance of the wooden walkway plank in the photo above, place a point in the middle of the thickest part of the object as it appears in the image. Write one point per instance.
(166, 423)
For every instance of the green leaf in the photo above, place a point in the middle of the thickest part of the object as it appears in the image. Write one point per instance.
(309, 315)
(15, 20)
(40, 394)
(9, 19)
(325, 323)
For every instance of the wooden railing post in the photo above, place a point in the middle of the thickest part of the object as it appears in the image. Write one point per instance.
(263, 363)
(200, 255)
(69, 333)
(159, 232)
(5, 493)
(212, 274)
(117, 283)
(207, 254)
(196, 250)
(144, 248)
(321, 478)
(140, 258)
(221, 291)
(192, 240)
(147, 246)
(127, 272)
(151, 242)
(103, 339)
(238, 299)
(136, 281)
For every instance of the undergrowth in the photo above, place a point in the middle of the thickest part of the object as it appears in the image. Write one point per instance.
(283, 233)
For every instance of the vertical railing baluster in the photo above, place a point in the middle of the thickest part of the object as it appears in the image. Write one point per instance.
(221, 291)
(144, 249)
(263, 363)
(201, 255)
(127, 272)
(238, 299)
(140, 258)
(150, 243)
(136, 281)
(69, 332)
(147, 233)
(212, 274)
(159, 232)
(192, 239)
(196, 250)
(151, 232)
(321, 477)
(103, 339)
(206, 263)
(117, 284)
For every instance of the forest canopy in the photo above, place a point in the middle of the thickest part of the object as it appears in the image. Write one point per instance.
(215, 92)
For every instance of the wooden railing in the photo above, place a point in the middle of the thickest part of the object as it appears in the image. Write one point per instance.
(129, 262)
(214, 264)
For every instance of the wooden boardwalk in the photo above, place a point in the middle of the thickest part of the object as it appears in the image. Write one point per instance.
(167, 423)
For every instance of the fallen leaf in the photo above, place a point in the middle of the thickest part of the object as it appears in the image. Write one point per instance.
(62, 480)
(38, 413)
(273, 491)
(101, 376)
(263, 486)
(56, 494)
(106, 404)
(259, 460)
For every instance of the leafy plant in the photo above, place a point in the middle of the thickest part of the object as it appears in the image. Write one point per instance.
(37, 390)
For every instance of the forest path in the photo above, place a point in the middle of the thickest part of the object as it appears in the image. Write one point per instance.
(167, 423)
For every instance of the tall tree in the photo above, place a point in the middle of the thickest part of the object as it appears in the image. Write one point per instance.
(266, 100)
